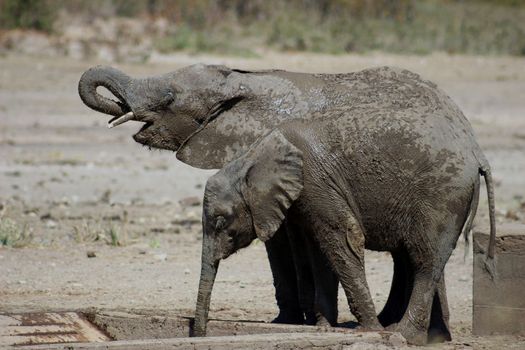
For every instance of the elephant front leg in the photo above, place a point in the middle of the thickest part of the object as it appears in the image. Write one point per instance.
(284, 279)
(304, 273)
(351, 274)
(344, 247)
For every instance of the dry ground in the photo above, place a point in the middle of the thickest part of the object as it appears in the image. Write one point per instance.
(71, 186)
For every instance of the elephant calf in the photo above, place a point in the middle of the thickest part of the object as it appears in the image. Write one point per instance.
(371, 181)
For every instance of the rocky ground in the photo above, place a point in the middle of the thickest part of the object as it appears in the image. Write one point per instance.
(91, 219)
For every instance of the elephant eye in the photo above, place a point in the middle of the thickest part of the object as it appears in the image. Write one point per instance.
(220, 223)
(166, 100)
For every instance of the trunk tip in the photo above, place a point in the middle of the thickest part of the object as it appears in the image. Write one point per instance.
(197, 330)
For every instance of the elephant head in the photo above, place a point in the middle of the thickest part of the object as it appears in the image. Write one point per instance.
(172, 106)
(245, 200)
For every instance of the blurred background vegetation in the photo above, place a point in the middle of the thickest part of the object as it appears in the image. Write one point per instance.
(329, 26)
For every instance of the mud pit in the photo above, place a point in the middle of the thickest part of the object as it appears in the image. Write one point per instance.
(79, 188)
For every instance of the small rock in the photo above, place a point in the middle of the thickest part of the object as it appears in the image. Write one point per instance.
(106, 196)
(192, 201)
(51, 224)
(513, 215)
(22, 282)
(91, 254)
(142, 252)
(193, 217)
(161, 257)
(187, 271)
(46, 216)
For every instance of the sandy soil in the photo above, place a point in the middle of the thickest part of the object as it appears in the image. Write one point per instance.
(77, 187)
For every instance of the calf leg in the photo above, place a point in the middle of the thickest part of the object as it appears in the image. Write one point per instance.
(304, 276)
(326, 286)
(284, 279)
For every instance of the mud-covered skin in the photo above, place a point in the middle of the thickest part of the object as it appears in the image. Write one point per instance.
(349, 184)
(215, 113)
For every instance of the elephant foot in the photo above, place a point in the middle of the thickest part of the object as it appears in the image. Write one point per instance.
(322, 322)
(412, 335)
(289, 317)
(310, 318)
(438, 335)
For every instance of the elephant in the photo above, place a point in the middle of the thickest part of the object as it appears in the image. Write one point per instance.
(209, 115)
(378, 180)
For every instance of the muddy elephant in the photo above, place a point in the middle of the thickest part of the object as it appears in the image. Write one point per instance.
(209, 115)
(378, 180)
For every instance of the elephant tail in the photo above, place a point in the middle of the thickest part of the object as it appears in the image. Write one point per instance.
(489, 260)
(467, 228)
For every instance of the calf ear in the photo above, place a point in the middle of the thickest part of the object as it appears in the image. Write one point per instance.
(273, 180)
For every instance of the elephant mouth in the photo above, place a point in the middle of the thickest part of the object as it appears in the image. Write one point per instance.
(145, 126)
(141, 136)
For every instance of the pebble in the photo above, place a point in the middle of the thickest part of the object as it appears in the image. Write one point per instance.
(187, 271)
(161, 257)
(192, 201)
(51, 224)
(91, 254)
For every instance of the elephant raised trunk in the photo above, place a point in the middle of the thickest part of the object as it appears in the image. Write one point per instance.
(209, 268)
(112, 79)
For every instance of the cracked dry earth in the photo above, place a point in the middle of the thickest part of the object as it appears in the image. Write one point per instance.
(70, 188)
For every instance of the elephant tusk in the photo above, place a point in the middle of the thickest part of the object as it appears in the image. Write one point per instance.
(121, 120)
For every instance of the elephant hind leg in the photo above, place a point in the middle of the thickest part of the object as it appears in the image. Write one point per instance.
(400, 290)
(428, 300)
(438, 330)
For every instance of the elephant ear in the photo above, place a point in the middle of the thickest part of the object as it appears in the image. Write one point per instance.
(273, 180)
(243, 118)
(221, 140)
